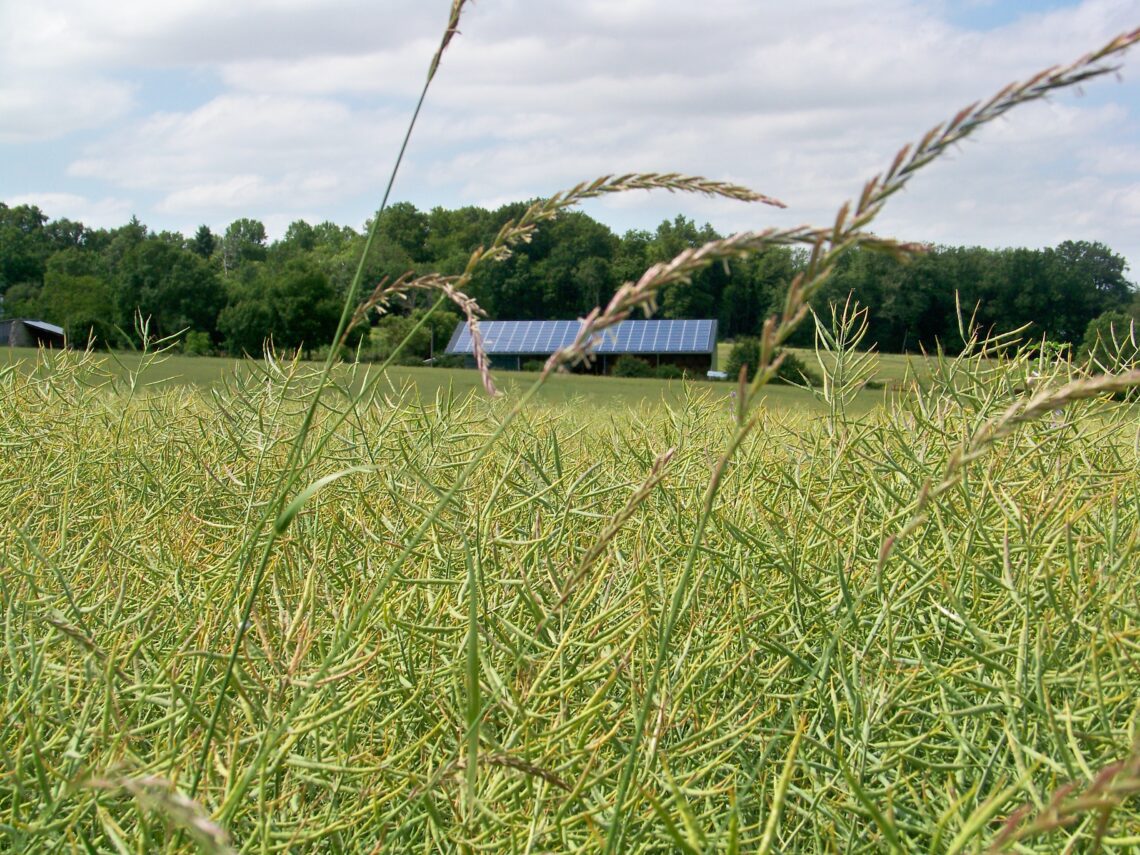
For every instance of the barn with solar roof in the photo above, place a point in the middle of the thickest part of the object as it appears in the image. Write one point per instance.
(690, 345)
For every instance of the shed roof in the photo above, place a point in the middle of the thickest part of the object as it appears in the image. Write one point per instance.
(44, 326)
(520, 338)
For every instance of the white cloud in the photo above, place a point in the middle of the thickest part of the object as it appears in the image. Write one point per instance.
(42, 108)
(241, 149)
(108, 212)
(804, 101)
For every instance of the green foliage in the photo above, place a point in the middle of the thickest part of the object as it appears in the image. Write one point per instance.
(246, 323)
(294, 307)
(243, 242)
(533, 365)
(307, 309)
(197, 343)
(792, 370)
(745, 352)
(172, 286)
(1112, 342)
(83, 305)
(203, 243)
(427, 342)
(695, 299)
(631, 366)
(668, 371)
(23, 300)
(570, 265)
(795, 371)
(1051, 293)
(24, 245)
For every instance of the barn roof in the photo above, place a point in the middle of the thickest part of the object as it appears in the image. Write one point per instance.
(43, 326)
(523, 338)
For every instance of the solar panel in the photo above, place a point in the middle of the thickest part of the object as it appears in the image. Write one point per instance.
(525, 338)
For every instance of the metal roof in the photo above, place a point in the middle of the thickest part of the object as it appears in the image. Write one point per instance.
(44, 326)
(539, 337)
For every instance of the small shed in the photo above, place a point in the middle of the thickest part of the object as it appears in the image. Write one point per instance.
(22, 332)
(688, 344)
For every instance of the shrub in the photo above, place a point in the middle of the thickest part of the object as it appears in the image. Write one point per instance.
(533, 365)
(745, 351)
(631, 366)
(197, 343)
(792, 371)
(451, 361)
(668, 371)
(1111, 342)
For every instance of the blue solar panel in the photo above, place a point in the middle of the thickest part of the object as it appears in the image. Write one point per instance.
(544, 337)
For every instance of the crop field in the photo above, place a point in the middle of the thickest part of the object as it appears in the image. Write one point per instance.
(847, 662)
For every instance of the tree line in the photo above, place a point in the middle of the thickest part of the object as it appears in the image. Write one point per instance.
(233, 292)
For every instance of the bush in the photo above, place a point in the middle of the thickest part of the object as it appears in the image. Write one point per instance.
(668, 371)
(1112, 342)
(631, 366)
(344, 353)
(792, 371)
(745, 351)
(533, 365)
(450, 361)
(197, 343)
(391, 330)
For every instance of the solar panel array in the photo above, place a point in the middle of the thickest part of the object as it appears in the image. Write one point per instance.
(538, 337)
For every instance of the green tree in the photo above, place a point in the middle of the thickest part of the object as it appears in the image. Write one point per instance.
(24, 245)
(77, 295)
(21, 300)
(246, 323)
(631, 258)
(244, 241)
(299, 238)
(204, 242)
(572, 259)
(65, 234)
(337, 253)
(699, 297)
(753, 290)
(746, 353)
(406, 227)
(306, 307)
(175, 288)
(429, 341)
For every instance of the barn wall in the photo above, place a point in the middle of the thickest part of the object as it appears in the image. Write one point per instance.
(695, 364)
(15, 334)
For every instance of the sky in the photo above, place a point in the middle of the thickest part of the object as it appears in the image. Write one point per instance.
(190, 112)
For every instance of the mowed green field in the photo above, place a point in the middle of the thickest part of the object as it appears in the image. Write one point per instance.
(592, 391)
(449, 623)
(889, 368)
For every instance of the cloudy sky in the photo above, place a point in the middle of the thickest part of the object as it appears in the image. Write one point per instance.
(201, 111)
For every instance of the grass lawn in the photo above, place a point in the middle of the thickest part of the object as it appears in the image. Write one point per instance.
(599, 392)
(891, 369)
